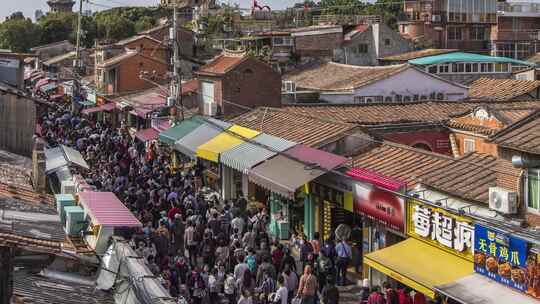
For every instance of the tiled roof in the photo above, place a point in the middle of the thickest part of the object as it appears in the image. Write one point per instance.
(417, 54)
(60, 58)
(403, 163)
(534, 58)
(524, 135)
(291, 126)
(37, 289)
(360, 28)
(331, 76)
(190, 86)
(500, 89)
(504, 116)
(135, 38)
(118, 59)
(374, 114)
(470, 176)
(221, 65)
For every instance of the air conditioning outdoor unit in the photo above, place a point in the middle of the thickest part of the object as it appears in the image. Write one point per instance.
(74, 219)
(210, 109)
(502, 200)
(436, 18)
(68, 187)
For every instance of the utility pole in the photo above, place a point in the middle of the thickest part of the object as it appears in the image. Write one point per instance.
(77, 63)
(176, 81)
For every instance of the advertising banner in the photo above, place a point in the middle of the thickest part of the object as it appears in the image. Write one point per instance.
(440, 228)
(505, 259)
(380, 205)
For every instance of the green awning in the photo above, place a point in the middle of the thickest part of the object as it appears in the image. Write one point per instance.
(465, 57)
(170, 136)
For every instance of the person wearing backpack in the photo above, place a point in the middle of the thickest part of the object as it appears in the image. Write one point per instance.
(344, 253)
(324, 268)
(307, 290)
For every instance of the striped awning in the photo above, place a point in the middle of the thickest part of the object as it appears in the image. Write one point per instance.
(225, 141)
(173, 134)
(250, 154)
(188, 144)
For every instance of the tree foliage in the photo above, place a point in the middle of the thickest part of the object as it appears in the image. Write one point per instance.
(19, 34)
(57, 27)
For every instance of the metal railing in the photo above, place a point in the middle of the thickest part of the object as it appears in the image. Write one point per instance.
(346, 19)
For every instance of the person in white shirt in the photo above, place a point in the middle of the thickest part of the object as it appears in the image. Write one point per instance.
(282, 294)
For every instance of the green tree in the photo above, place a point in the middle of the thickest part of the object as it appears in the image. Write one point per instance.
(57, 27)
(144, 23)
(19, 34)
(114, 27)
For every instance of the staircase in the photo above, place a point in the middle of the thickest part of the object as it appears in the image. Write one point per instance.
(454, 145)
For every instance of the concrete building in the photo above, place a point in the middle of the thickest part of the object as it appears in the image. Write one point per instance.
(339, 83)
(450, 24)
(47, 51)
(366, 43)
(60, 6)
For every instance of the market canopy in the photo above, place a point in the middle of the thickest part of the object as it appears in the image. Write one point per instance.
(188, 144)
(283, 175)
(145, 135)
(316, 157)
(225, 141)
(419, 265)
(105, 209)
(48, 87)
(173, 134)
(477, 289)
(247, 155)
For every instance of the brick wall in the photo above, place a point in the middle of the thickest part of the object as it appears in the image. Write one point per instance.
(318, 45)
(436, 140)
(252, 84)
(149, 48)
(480, 144)
(128, 73)
(187, 41)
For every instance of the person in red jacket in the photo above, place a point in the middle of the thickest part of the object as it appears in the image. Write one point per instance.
(404, 295)
(419, 298)
(376, 296)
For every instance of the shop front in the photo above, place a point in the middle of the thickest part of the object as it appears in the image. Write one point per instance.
(507, 270)
(439, 250)
(383, 213)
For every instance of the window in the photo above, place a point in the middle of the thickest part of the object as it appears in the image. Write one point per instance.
(432, 69)
(387, 42)
(444, 68)
(388, 99)
(399, 98)
(362, 48)
(288, 87)
(282, 41)
(533, 190)
(468, 145)
(477, 33)
(475, 67)
(368, 99)
(468, 68)
(455, 33)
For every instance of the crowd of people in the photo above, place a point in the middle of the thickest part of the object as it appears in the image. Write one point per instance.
(203, 249)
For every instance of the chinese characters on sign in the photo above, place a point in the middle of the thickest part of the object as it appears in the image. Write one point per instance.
(504, 259)
(382, 206)
(441, 228)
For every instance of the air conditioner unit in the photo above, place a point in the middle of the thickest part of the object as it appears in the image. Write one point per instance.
(502, 200)
(210, 109)
(74, 219)
(436, 18)
(68, 187)
(64, 200)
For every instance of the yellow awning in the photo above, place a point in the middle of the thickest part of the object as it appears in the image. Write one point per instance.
(419, 265)
(224, 141)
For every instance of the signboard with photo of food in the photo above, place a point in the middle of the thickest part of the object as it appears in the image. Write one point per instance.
(504, 259)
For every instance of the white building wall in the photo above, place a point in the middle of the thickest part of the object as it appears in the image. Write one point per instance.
(408, 83)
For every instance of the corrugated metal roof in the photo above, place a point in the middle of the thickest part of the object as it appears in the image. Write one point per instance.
(173, 134)
(54, 159)
(188, 144)
(245, 156)
(274, 143)
(465, 57)
(75, 157)
(107, 210)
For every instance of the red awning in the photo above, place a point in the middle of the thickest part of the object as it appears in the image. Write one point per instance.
(106, 107)
(320, 158)
(371, 177)
(91, 110)
(147, 134)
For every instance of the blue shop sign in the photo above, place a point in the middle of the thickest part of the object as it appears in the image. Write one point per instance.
(500, 257)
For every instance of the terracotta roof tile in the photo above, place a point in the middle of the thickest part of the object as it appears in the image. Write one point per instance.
(291, 126)
(374, 114)
(222, 64)
(417, 54)
(501, 89)
(331, 76)
(524, 135)
(470, 176)
(400, 162)
(190, 86)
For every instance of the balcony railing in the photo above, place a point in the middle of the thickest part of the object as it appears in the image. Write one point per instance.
(518, 35)
(346, 19)
(519, 9)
